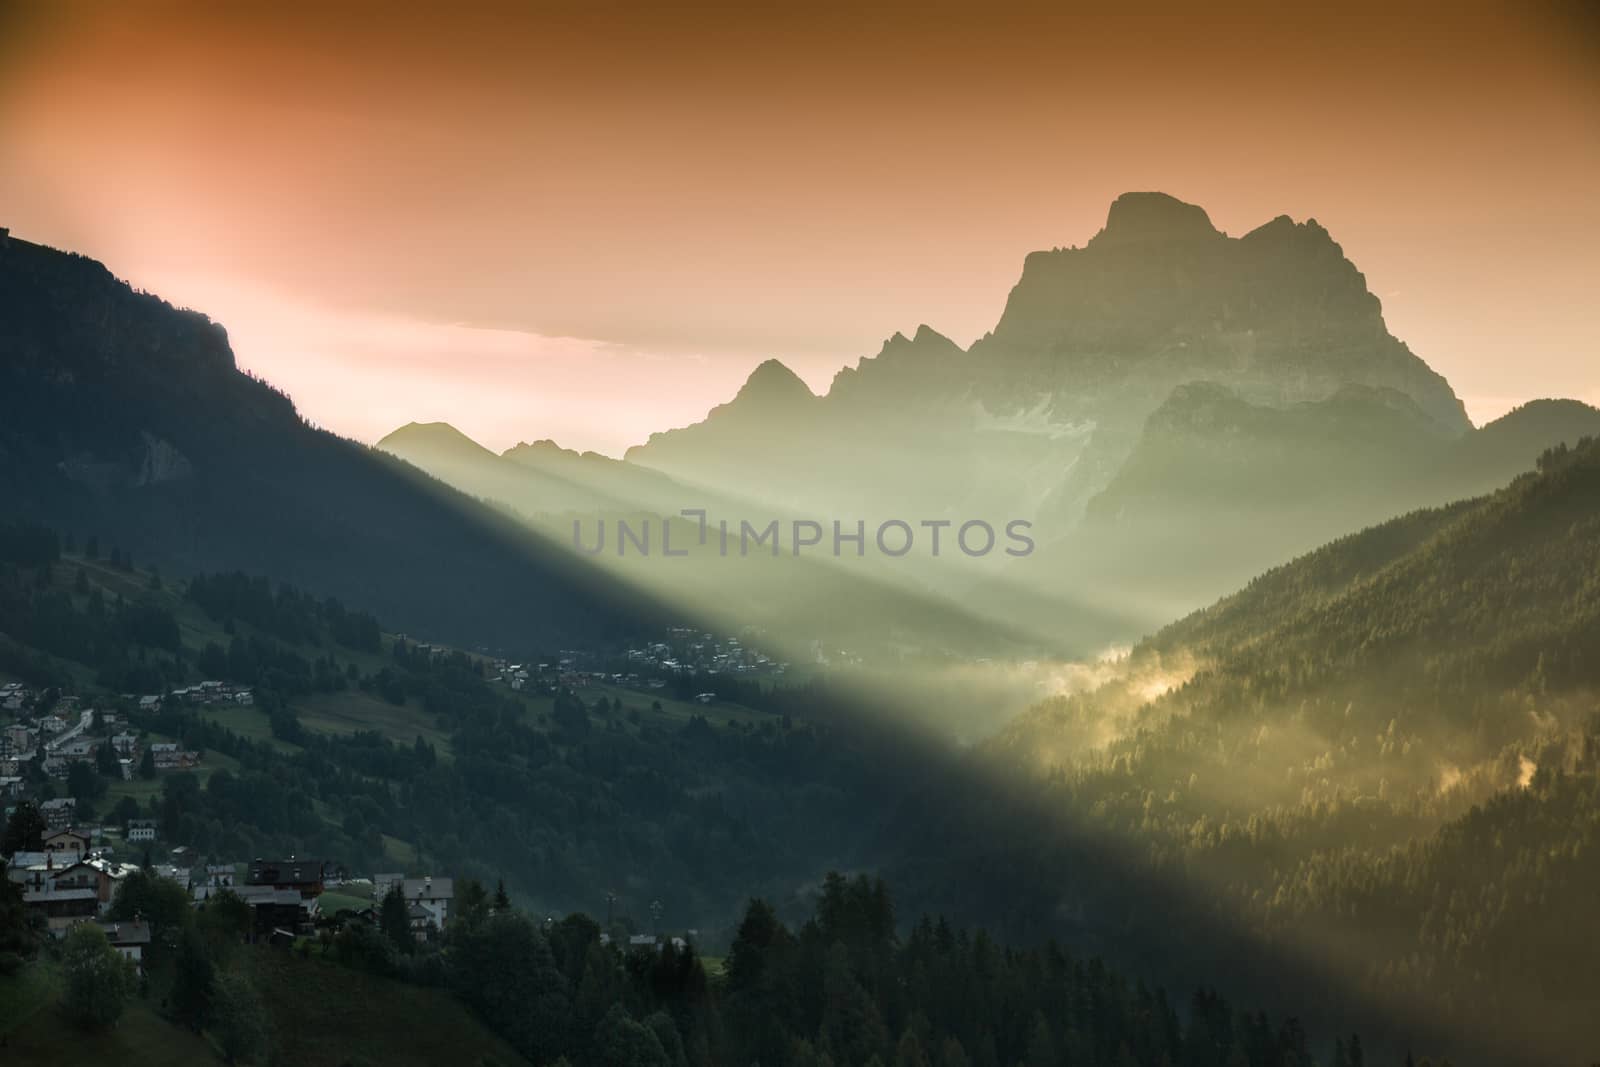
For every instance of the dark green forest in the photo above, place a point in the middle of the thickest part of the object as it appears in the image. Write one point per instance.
(844, 987)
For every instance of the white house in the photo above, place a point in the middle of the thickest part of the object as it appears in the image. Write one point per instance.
(433, 895)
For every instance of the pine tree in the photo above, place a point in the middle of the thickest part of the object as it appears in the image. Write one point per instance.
(193, 980)
(394, 919)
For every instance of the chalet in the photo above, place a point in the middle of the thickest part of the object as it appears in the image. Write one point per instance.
(69, 842)
(111, 873)
(303, 876)
(130, 939)
(125, 744)
(52, 724)
(140, 830)
(58, 894)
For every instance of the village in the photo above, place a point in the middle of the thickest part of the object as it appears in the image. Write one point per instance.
(73, 874)
(684, 651)
(71, 869)
(45, 734)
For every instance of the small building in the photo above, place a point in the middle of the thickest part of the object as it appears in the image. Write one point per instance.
(273, 910)
(141, 830)
(303, 876)
(58, 894)
(434, 896)
(68, 842)
(129, 939)
(58, 813)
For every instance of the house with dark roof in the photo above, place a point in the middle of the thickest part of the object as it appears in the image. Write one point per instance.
(305, 877)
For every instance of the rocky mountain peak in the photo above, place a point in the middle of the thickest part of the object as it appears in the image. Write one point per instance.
(1146, 218)
(772, 383)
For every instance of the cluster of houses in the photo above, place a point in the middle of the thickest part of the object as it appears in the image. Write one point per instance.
(542, 678)
(201, 693)
(54, 739)
(697, 652)
(685, 651)
(70, 881)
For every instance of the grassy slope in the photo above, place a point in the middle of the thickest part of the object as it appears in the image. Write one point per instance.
(35, 1032)
(322, 1014)
(325, 1015)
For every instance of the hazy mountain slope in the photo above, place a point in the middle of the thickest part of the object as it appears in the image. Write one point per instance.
(1217, 487)
(806, 605)
(537, 479)
(127, 418)
(1498, 451)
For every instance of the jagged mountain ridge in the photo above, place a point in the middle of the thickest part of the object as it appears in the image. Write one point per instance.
(1092, 341)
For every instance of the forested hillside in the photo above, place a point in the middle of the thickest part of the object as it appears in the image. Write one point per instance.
(1373, 769)
(376, 751)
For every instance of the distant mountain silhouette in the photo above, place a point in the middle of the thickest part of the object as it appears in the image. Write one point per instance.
(1091, 342)
(533, 479)
(795, 601)
(126, 419)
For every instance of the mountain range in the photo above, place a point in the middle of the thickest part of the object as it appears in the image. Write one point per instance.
(1174, 409)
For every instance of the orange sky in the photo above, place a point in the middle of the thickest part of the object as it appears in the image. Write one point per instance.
(590, 221)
